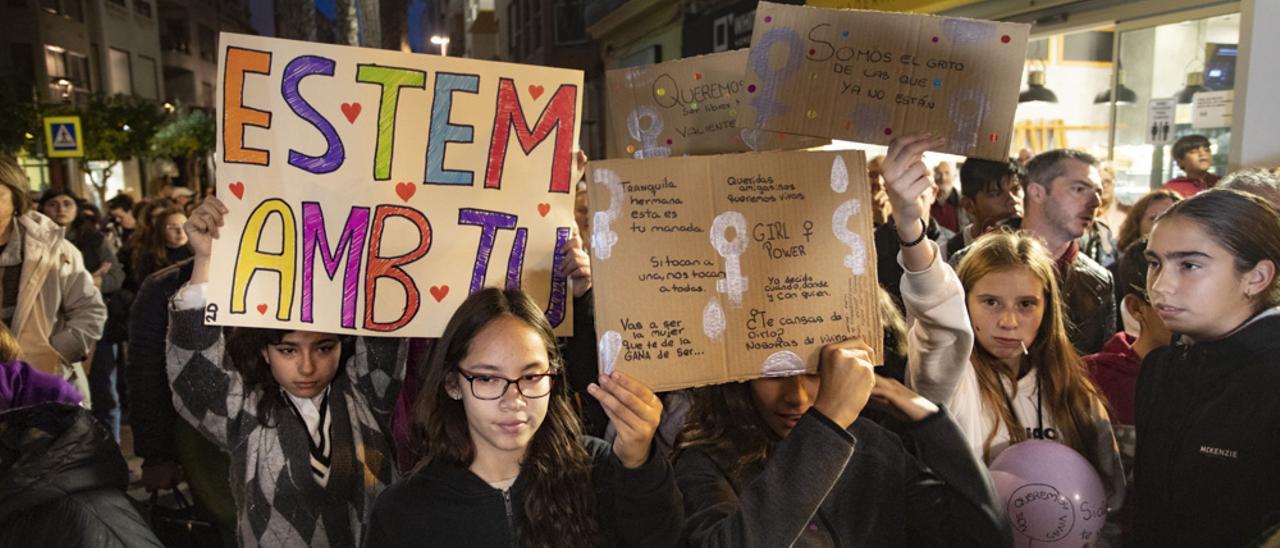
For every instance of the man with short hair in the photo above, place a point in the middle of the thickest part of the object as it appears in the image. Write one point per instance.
(1194, 157)
(990, 192)
(1063, 190)
(946, 209)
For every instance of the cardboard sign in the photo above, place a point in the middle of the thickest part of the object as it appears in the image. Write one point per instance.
(371, 191)
(871, 76)
(721, 268)
(687, 106)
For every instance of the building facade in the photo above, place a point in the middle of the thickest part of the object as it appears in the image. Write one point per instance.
(553, 33)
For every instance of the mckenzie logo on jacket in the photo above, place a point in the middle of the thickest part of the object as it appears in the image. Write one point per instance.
(1219, 452)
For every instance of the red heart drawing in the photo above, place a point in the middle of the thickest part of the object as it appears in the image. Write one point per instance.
(439, 292)
(406, 190)
(237, 188)
(351, 111)
(535, 91)
(697, 76)
(544, 209)
(262, 309)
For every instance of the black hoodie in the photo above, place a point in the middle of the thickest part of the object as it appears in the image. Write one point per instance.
(1208, 422)
(448, 505)
(62, 482)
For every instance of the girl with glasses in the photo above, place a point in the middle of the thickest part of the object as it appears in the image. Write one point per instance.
(302, 414)
(505, 460)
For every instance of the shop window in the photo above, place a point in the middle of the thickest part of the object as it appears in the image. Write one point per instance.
(1178, 61)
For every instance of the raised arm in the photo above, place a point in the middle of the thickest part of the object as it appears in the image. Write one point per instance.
(207, 390)
(940, 337)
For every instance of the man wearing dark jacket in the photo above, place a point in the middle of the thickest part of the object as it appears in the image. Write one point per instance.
(1062, 193)
(63, 481)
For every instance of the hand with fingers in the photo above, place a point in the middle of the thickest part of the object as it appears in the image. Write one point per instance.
(907, 179)
(908, 182)
(203, 224)
(202, 229)
(896, 399)
(579, 165)
(99, 273)
(634, 411)
(577, 265)
(847, 376)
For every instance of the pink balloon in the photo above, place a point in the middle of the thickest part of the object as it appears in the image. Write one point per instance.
(1051, 494)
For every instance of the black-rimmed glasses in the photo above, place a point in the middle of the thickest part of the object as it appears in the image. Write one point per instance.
(490, 387)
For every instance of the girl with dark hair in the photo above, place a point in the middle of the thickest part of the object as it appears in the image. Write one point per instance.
(504, 458)
(163, 242)
(303, 415)
(1142, 216)
(1207, 411)
(789, 461)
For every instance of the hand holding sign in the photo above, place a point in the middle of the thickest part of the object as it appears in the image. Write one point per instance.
(577, 265)
(848, 376)
(202, 229)
(910, 188)
(634, 411)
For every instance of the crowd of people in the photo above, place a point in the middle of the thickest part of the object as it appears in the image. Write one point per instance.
(1012, 312)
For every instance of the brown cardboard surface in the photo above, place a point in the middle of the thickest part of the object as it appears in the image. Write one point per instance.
(710, 269)
(687, 106)
(870, 76)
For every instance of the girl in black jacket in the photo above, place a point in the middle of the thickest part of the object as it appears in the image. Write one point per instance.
(506, 462)
(1208, 419)
(787, 462)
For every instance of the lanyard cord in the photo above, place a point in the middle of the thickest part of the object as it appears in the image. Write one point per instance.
(1039, 405)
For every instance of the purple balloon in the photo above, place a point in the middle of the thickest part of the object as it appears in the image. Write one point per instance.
(1051, 494)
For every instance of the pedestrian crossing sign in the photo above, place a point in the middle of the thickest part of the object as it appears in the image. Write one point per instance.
(62, 137)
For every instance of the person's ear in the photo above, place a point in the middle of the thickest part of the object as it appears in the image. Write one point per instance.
(1135, 306)
(451, 386)
(1036, 193)
(1258, 279)
(969, 206)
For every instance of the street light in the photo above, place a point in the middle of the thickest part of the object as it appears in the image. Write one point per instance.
(443, 42)
(65, 86)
